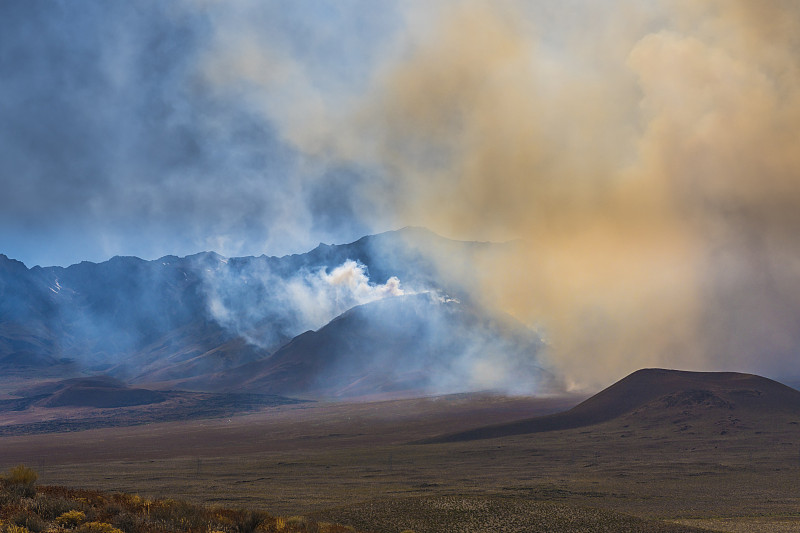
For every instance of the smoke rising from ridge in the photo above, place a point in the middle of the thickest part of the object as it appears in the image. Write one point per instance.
(267, 309)
(646, 155)
(642, 154)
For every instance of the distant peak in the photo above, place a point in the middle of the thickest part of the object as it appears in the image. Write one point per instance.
(121, 258)
(205, 255)
(13, 263)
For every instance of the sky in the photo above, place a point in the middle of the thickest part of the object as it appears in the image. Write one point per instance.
(644, 151)
(117, 138)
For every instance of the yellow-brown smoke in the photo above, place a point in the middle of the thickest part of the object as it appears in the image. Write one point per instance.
(652, 170)
(646, 154)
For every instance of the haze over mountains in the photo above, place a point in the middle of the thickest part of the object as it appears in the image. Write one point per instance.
(372, 316)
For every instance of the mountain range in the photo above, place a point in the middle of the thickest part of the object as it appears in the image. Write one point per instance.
(373, 316)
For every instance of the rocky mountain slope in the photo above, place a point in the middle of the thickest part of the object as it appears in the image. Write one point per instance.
(375, 315)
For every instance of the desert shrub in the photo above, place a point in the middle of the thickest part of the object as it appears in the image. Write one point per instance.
(22, 475)
(325, 527)
(114, 507)
(109, 511)
(13, 528)
(21, 480)
(301, 524)
(50, 508)
(71, 519)
(97, 527)
(131, 502)
(128, 522)
(178, 515)
(6, 498)
(29, 521)
(247, 521)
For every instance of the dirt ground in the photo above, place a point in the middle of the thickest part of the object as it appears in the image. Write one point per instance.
(318, 457)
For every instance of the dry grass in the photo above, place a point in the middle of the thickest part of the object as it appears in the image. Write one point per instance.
(315, 458)
(476, 514)
(58, 509)
(758, 524)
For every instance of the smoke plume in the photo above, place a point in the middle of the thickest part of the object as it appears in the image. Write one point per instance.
(645, 155)
(641, 155)
(268, 309)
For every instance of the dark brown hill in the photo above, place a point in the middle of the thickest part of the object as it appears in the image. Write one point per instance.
(95, 391)
(651, 396)
(103, 397)
(416, 344)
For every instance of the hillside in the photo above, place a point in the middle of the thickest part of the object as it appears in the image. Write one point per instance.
(653, 397)
(192, 319)
(53, 406)
(419, 343)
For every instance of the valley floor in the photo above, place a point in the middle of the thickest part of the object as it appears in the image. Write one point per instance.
(334, 459)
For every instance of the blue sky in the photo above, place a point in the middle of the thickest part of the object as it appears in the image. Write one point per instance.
(113, 140)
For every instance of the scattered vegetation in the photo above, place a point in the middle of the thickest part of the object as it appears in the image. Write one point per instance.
(71, 519)
(479, 514)
(20, 481)
(26, 508)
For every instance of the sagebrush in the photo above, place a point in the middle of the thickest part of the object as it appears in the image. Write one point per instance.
(26, 508)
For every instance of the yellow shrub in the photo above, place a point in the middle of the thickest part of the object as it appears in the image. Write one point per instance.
(20, 481)
(22, 475)
(296, 521)
(326, 527)
(98, 527)
(13, 528)
(71, 518)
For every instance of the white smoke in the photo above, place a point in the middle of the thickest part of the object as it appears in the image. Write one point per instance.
(320, 296)
(267, 309)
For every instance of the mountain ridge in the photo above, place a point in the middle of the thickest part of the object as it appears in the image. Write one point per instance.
(390, 345)
(173, 319)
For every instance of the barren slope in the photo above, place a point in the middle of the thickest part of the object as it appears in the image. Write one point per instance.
(651, 396)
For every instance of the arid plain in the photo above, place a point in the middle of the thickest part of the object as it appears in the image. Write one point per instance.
(695, 462)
